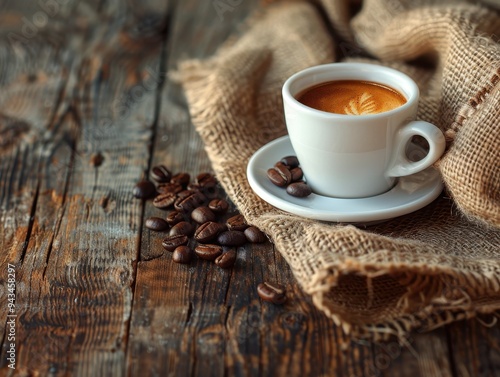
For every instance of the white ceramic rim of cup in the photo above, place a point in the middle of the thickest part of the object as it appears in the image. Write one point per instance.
(352, 71)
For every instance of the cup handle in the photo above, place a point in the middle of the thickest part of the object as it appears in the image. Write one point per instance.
(401, 165)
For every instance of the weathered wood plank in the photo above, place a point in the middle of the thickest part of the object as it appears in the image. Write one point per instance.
(433, 354)
(76, 268)
(33, 80)
(474, 347)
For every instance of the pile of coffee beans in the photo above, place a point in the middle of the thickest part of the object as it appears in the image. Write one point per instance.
(199, 222)
(287, 173)
(196, 219)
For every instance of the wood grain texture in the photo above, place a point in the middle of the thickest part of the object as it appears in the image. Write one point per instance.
(76, 248)
(96, 295)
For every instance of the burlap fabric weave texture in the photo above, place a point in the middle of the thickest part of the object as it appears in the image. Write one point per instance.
(422, 270)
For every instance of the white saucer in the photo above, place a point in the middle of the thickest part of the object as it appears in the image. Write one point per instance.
(409, 194)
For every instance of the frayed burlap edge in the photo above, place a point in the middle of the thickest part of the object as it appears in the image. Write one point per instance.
(450, 301)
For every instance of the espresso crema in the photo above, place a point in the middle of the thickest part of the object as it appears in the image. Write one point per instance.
(351, 97)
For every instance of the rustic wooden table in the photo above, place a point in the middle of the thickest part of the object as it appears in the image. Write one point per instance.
(87, 290)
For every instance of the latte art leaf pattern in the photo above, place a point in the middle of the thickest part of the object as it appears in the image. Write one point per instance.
(351, 97)
(365, 105)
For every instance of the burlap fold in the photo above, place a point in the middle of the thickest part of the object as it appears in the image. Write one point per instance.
(424, 269)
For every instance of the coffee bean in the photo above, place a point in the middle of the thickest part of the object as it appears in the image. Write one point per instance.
(190, 202)
(199, 197)
(290, 161)
(231, 238)
(255, 235)
(237, 222)
(202, 198)
(208, 231)
(171, 242)
(226, 259)
(203, 178)
(279, 175)
(208, 252)
(271, 292)
(210, 191)
(182, 228)
(182, 254)
(297, 174)
(275, 178)
(161, 174)
(164, 201)
(218, 206)
(169, 187)
(175, 217)
(184, 194)
(202, 215)
(181, 178)
(144, 189)
(281, 165)
(208, 184)
(156, 224)
(299, 189)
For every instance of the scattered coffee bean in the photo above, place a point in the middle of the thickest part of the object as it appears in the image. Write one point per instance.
(184, 194)
(181, 178)
(231, 238)
(171, 242)
(297, 174)
(218, 206)
(203, 178)
(182, 228)
(208, 252)
(290, 161)
(210, 191)
(175, 217)
(237, 222)
(226, 259)
(202, 198)
(144, 189)
(164, 201)
(279, 175)
(182, 254)
(169, 187)
(188, 203)
(299, 189)
(255, 235)
(156, 223)
(202, 215)
(208, 183)
(161, 174)
(271, 292)
(208, 231)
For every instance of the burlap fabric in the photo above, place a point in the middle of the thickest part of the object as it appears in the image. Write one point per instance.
(422, 270)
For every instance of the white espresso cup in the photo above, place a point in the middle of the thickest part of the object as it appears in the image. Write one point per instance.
(355, 156)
